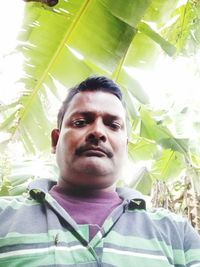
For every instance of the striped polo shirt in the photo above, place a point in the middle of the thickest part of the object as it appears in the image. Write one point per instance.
(36, 231)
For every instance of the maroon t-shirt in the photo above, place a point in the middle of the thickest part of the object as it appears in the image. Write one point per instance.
(90, 209)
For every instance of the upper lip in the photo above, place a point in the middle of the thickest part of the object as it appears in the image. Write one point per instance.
(83, 149)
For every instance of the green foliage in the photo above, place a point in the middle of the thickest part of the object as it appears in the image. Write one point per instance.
(4, 188)
(168, 165)
(64, 44)
(166, 46)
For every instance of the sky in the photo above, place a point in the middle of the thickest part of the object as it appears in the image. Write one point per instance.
(10, 61)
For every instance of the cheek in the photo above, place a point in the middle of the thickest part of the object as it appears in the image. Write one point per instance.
(69, 141)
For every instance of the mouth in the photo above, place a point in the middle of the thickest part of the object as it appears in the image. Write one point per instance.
(93, 151)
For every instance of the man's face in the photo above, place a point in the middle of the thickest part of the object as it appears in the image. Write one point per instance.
(92, 142)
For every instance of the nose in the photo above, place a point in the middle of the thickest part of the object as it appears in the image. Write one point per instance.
(96, 133)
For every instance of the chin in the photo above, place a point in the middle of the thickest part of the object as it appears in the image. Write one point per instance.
(95, 171)
(95, 167)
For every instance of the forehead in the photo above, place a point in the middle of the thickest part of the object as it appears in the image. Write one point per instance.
(97, 102)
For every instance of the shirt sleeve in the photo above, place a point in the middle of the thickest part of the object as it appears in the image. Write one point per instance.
(191, 246)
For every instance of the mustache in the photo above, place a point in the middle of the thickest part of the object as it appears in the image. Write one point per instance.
(86, 147)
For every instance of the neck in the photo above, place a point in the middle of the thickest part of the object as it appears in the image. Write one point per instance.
(71, 188)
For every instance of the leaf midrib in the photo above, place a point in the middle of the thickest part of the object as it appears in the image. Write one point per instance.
(65, 39)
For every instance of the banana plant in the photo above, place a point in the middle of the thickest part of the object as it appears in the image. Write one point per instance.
(69, 41)
(46, 2)
(63, 42)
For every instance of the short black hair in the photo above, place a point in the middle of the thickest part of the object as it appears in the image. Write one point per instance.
(93, 83)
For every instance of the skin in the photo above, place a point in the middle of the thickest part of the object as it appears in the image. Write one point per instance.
(92, 142)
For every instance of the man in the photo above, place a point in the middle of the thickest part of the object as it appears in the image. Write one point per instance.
(84, 220)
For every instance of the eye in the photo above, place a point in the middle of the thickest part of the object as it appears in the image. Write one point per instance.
(115, 125)
(78, 123)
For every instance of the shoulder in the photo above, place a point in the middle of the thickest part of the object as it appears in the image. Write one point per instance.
(29, 201)
(164, 223)
(166, 220)
(16, 212)
(16, 202)
(159, 217)
(175, 226)
(158, 214)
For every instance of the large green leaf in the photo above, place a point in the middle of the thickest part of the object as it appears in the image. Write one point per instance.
(125, 80)
(143, 149)
(23, 171)
(51, 41)
(184, 30)
(5, 187)
(151, 128)
(160, 11)
(130, 11)
(169, 165)
(69, 42)
(180, 145)
(144, 184)
(65, 44)
(166, 46)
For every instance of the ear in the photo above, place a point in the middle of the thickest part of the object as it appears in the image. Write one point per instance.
(54, 139)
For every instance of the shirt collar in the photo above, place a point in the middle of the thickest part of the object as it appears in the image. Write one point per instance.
(134, 199)
(38, 188)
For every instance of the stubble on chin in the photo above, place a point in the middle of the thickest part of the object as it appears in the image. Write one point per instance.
(94, 166)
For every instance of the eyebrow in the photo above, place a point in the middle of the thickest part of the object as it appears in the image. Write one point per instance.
(90, 113)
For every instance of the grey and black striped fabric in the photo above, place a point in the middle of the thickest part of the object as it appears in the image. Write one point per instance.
(36, 231)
